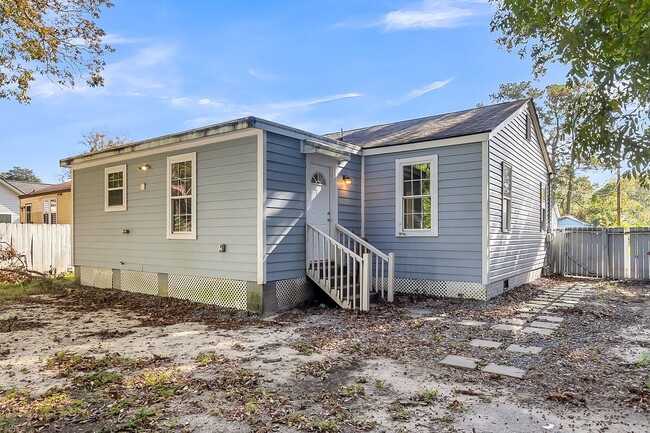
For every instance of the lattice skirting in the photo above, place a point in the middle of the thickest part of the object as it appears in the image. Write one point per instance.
(139, 282)
(293, 292)
(444, 289)
(96, 277)
(218, 291)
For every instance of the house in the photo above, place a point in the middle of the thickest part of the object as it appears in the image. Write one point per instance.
(569, 221)
(49, 205)
(248, 213)
(10, 190)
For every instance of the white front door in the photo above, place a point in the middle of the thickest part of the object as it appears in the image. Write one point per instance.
(318, 207)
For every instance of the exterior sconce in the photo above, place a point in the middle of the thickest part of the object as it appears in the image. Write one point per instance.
(144, 167)
(347, 180)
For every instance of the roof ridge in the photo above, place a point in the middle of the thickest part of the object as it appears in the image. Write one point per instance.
(347, 131)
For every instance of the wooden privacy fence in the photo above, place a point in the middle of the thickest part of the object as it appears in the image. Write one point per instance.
(601, 252)
(47, 247)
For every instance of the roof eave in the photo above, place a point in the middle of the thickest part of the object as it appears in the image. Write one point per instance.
(10, 186)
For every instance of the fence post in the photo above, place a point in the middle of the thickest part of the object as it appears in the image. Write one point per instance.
(391, 276)
(605, 253)
(365, 283)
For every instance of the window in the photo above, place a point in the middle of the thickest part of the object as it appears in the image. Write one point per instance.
(5, 218)
(506, 192)
(28, 213)
(416, 207)
(528, 127)
(543, 209)
(115, 188)
(49, 211)
(181, 196)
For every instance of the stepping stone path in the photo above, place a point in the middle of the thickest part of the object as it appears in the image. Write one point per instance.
(530, 319)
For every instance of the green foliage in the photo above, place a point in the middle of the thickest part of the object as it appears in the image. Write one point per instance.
(55, 38)
(19, 173)
(635, 205)
(603, 43)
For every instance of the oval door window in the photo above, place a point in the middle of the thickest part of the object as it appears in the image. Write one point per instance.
(318, 179)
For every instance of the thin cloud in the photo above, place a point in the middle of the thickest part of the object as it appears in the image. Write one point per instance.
(315, 101)
(427, 89)
(210, 102)
(434, 15)
(260, 75)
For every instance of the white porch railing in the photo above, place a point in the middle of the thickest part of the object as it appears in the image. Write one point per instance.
(339, 271)
(382, 264)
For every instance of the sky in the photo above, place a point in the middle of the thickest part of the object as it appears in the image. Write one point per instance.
(317, 65)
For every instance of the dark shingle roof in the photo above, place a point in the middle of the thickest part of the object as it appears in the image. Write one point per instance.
(50, 189)
(466, 122)
(27, 187)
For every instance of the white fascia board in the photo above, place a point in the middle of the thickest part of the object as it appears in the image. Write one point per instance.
(423, 145)
(11, 187)
(137, 152)
(335, 145)
(530, 107)
(485, 212)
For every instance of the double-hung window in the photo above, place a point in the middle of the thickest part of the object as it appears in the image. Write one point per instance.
(506, 192)
(416, 201)
(28, 213)
(49, 211)
(181, 196)
(115, 188)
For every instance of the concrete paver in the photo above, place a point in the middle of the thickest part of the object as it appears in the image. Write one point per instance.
(541, 331)
(514, 321)
(554, 319)
(546, 325)
(504, 327)
(460, 362)
(504, 370)
(477, 342)
(471, 323)
(524, 349)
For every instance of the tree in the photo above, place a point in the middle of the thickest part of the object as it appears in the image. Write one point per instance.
(20, 173)
(55, 38)
(605, 43)
(96, 141)
(635, 205)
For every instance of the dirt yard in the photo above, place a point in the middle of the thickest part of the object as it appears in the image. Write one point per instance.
(86, 360)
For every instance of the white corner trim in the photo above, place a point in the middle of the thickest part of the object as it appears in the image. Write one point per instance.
(400, 232)
(454, 141)
(170, 160)
(116, 169)
(485, 209)
(363, 196)
(261, 207)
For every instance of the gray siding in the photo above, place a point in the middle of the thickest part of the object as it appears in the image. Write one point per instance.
(285, 208)
(521, 250)
(349, 209)
(9, 203)
(226, 214)
(455, 254)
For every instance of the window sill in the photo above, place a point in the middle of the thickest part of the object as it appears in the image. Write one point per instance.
(422, 234)
(190, 236)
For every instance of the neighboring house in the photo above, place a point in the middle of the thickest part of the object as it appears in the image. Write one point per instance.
(49, 205)
(10, 190)
(245, 213)
(569, 221)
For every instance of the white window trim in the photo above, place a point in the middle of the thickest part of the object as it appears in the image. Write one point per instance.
(170, 160)
(399, 193)
(506, 228)
(107, 171)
